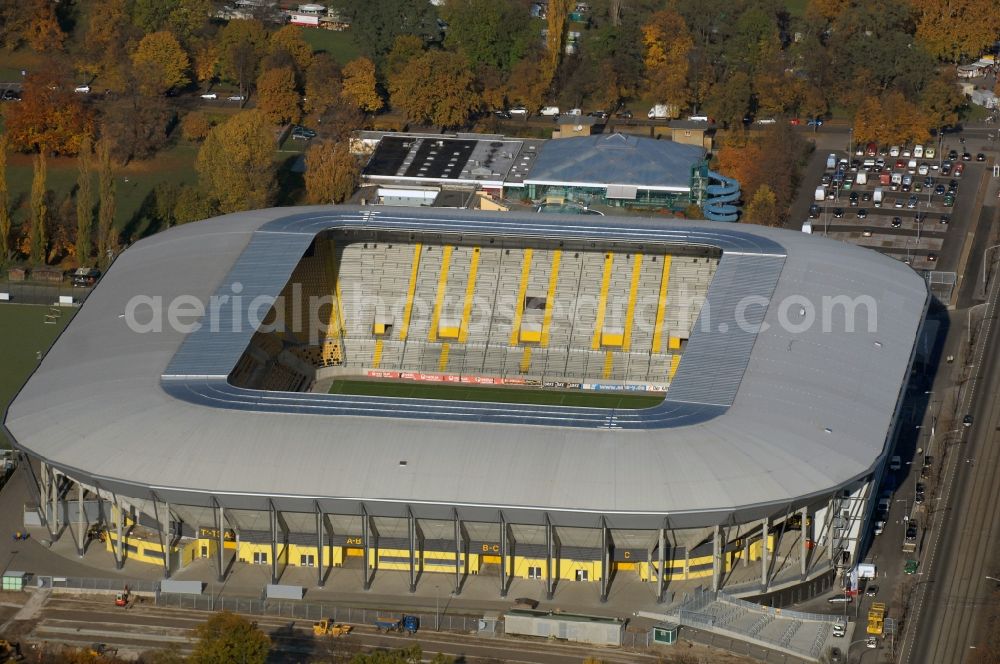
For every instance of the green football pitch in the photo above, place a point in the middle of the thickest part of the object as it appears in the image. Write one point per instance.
(24, 335)
(497, 394)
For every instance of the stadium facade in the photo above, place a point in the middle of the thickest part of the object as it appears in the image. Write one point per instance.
(189, 402)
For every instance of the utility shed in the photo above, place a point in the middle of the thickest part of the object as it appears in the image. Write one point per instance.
(567, 626)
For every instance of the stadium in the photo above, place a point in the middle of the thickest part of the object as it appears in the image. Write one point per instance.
(550, 397)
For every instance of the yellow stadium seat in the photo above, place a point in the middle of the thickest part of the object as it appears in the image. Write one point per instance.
(532, 335)
(675, 343)
(612, 338)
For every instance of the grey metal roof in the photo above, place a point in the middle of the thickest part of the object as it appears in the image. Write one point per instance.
(615, 159)
(753, 420)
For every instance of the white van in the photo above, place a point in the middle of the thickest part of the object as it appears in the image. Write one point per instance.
(897, 178)
(831, 162)
(820, 194)
(918, 151)
(861, 178)
(807, 227)
(877, 196)
(894, 151)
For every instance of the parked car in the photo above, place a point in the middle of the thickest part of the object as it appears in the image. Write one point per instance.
(11, 95)
(967, 421)
(766, 121)
(600, 115)
(862, 213)
(939, 190)
(575, 111)
(300, 133)
(866, 196)
(946, 169)
(519, 111)
(923, 169)
(980, 157)
(911, 202)
(840, 598)
(855, 197)
(930, 151)
(866, 233)
(795, 122)
(624, 114)
(815, 122)
(871, 591)
(910, 566)
(959, 169)
(879, 527)
(85, 89)
(838, 213)
(911, 531)
(931, 258)
(549, 111)
(898, 203)
(895, 463)
(949, 200)
(945, 219)
(814, 211)
(235, 98)
(953, 155)
(209, 95)
(897, 222)
(966, 156)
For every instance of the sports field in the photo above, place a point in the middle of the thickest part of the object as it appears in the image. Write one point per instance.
(497, 394)
(23, 335)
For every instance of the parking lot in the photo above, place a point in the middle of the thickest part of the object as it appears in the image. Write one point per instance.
(900, 205)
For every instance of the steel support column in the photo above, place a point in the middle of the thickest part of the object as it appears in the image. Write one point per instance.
(549, 556)
(458, 553)
(411, 528)
(804, 551)
(366, 535)
(503, 556)
(220, 512)
(661, 579)
(830, 516)
(81, 534)
(273, 522)
(605, 560)
(687, 562)
(763, 552)
(119, 544)
(320, 547)
(163, 527)
(716, 557)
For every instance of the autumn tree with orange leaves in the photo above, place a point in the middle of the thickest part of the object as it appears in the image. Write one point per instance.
(949, 29)
(667, 44)
(50, 118)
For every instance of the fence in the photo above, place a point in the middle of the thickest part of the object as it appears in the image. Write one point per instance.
(33, 292)
(783, 613)
(261, 607)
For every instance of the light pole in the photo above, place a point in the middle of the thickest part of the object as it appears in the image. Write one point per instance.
(850, 141)
(437, 604)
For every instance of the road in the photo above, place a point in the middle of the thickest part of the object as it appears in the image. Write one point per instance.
(81, 621)
(948, 600)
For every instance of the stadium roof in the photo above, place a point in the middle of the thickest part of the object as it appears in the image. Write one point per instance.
(754, 420)
(608, 159)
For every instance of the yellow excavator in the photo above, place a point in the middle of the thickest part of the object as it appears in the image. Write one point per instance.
(326, 627)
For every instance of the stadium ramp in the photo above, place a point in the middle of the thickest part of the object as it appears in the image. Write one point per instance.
(720, 198)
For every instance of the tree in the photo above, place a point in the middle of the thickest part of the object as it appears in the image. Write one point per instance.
(43, 32)
(5, 246)
(331, 173)
(50, 117)
(188, 18)
(376, 23)
(226, 637)
(160, 62)
(242, 44)
(84, 201)
(323, 83)
(528, 83)
(555, 17)
(729, 100)
(107, 241)
(289, 39)
(954, 28)
(763, 208)
(235, 164)
(277, 97)
(436, 87)
(668, 45)
(360, 86)
(493, 34)
(205, 61)
(191, 204)
(39, 211)
(195, 126)
(404, 49)
(940, 99)
(411, 655)
(109, 32)
(137, 125)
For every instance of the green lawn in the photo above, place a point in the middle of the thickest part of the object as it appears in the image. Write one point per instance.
(23, 334)
(338, 44)
(496, 394)
(174, 164)
(796, 8)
